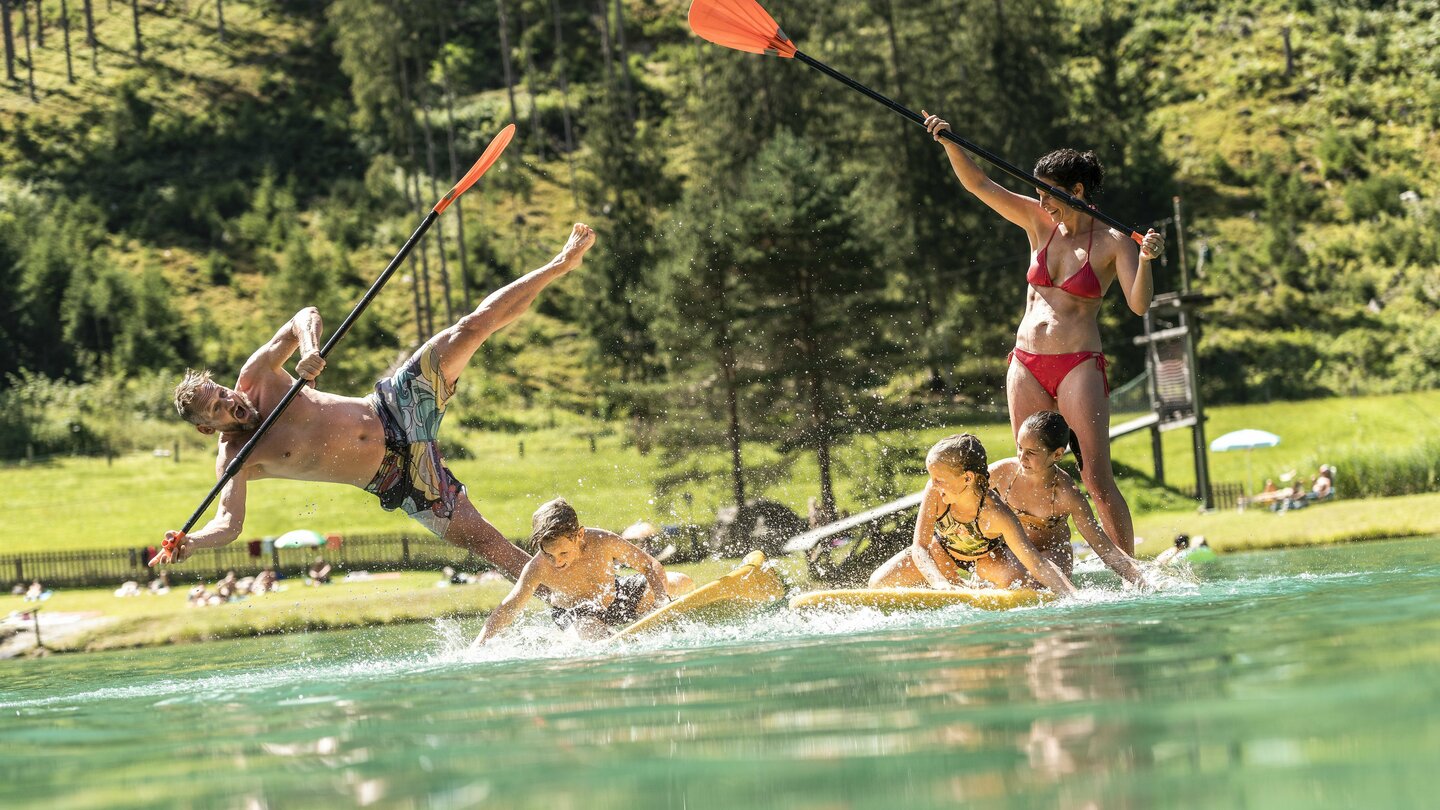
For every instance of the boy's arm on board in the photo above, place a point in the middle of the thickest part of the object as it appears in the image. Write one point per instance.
(637, 558)
(504, 614)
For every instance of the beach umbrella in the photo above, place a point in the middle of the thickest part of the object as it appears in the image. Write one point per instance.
(300, 538)
(1247, 440)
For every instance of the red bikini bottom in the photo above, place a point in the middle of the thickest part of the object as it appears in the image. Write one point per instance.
(1051, 369)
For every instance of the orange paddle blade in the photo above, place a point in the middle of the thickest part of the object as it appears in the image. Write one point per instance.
(492, 154)
(740, 24)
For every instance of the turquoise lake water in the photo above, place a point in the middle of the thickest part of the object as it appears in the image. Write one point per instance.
(1305, 679)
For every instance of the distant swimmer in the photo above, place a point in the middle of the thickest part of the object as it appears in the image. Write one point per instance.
(1057, 362)
(578, 567)
(964, 527)
(385, 443)
(1046, 499)
(1186, 550)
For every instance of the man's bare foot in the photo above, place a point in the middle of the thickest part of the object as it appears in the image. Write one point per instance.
(582, 238)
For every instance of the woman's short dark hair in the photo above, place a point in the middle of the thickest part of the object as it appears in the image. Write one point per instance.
(1067, 167)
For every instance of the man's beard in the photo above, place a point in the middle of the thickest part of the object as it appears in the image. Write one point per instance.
(252, 418)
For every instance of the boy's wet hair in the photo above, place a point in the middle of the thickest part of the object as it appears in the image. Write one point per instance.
(1066, 167)
(553, 519)
(185, 393)
(1054, 432)
(961, 453)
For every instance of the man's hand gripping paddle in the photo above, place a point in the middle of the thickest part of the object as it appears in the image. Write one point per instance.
(170, 550)
(744, 26)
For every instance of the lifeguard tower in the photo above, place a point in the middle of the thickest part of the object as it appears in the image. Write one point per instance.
(1172, 380)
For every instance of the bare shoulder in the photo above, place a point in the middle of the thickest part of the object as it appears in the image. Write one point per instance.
(1005, 468)
(537, 571)
(1120, 243)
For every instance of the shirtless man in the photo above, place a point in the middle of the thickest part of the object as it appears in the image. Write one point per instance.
(384, 443)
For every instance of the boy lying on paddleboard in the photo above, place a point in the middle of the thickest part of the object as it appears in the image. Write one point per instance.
(577, 566)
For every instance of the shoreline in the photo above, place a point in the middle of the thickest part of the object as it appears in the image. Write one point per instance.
(97, 631)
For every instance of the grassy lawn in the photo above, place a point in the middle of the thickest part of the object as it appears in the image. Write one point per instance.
(87, 503)
(1311, 432)
(1337, 521)
(152, 620)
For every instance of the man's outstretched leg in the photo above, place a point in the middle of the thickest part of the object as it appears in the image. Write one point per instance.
(455, 346)
(470, 531)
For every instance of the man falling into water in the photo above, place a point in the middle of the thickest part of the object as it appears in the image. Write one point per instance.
(384, 443)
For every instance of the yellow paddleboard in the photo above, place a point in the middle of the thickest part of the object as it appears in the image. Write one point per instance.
(900, 599)
(741, 591)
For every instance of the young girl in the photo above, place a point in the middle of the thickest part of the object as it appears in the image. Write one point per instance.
(964, 527)
(1045, 498)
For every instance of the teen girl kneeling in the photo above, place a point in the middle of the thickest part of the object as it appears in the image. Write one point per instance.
(964, 527)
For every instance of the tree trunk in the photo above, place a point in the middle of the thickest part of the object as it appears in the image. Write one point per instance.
(454, 165)
(539, 136)
(90, 37)
(564, 81)
(413, 186)
(732, 417)
(435, 195)
(505, 59)
(139, 47)
(604, 19)
(65, 32)
(819, 413)
(624, 55)
(9, 40)
(220, 19)
(39, 24)
(29, 58)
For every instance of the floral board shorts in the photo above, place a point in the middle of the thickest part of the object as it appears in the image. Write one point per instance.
(412, 475)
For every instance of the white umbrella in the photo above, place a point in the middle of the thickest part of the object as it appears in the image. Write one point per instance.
(299, 538)
(1247, 440)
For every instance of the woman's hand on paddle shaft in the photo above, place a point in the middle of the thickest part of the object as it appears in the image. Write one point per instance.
(935, 125)
(1153, 246)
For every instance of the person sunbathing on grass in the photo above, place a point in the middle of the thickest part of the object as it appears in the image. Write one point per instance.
(577, 565)
(384, 443)
(963, 528)
(1045, 499)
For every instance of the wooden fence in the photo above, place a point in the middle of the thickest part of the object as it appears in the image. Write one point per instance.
(385, 552)
(389, 552)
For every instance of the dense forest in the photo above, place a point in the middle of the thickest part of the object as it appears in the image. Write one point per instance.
(780, 261)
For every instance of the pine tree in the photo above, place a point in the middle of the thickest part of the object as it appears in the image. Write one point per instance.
(818, 299)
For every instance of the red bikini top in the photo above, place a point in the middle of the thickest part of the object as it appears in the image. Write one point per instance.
(1083, 284)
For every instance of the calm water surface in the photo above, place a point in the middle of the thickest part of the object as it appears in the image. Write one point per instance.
(1299, 679)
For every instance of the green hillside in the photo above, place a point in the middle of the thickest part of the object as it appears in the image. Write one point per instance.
(171, 209)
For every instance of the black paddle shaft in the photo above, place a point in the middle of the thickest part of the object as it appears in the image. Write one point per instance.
(235, 464)
(999, 162)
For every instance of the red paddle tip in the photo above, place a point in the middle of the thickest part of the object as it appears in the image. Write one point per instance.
(492, 154)
(1138, 237)
(740, 24)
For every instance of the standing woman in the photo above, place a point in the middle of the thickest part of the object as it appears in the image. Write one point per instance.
(1057, 363)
